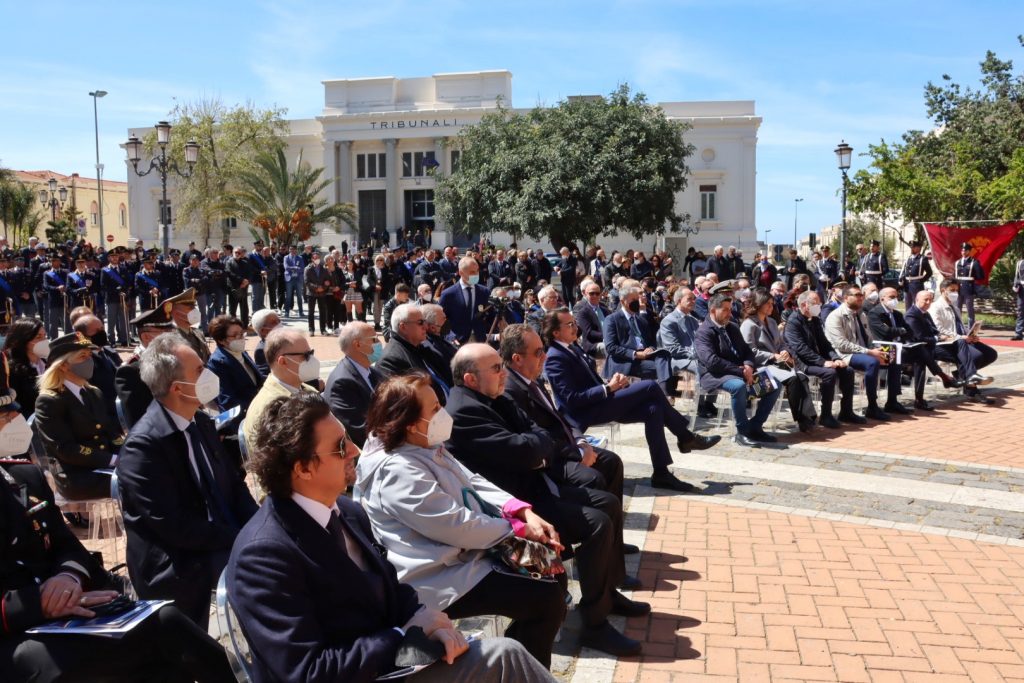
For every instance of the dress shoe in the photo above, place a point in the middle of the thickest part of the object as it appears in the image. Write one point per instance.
(697, 443)
(667, 480)
(921, 404)
(876, 413)
(978, 398)
(762, 436)
(630, 583)
(852, 418)
(624, 607)
(898, 408)
(979, 380)
(951, 382)
(707, 410)
(805, 424)
(630, 549)
(606, 639)
(744, 440)
(830, 422)
(1017, 337)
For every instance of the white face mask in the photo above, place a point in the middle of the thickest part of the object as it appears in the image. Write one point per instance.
(237, 345)
(15, 437)
(891, 303)
(42, 348)
(814, 310)
(872, 297)
(439, 428)
(953, 298)
(194, 317)
(207, 386)
(428, 296)
(309, 369)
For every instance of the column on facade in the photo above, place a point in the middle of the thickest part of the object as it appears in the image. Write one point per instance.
(344, 184)
(441, 155)
(392, 199)
(331, 170)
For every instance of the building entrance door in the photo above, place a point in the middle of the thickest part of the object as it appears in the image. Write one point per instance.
(372, 213)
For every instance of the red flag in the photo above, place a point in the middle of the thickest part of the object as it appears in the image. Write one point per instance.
(989, 244)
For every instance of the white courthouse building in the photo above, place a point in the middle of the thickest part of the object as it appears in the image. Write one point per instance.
(378, 137)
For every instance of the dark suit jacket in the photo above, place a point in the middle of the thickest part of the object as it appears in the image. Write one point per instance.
(259, 358)
(500, 273)
(882, 327)
(806, 340)
(590, 327)
(308, 611)
(719, 360)
(620, 345)
(174, 550)
(565, 451)
(575, 384)
(463, 321)
(134, 394)
(921, 326)
(495, 439)
(238, 270)
(25, 381)
(236, 385)
(400, 357)
(349, 397)
(444, 350)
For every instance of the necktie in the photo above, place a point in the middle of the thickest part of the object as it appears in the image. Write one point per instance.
(538, 395)
(635, 329)
(341, 533)
(578, 352)
(600, 314)
(208, 483)
(468, 295)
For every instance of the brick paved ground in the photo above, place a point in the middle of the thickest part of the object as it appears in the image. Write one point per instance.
(764, 596)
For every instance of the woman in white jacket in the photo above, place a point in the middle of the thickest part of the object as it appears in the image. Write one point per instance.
(419, 503)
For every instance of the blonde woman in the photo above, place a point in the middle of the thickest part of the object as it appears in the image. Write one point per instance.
(77, 433)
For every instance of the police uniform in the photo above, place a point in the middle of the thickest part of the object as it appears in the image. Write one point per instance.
(916, 271)
(81, 284)
(115, 284)
(873, 267)
(55, 284)
(216, 285)
(145, 282)
(197, 279)
(828, 272)
(21, 281)
(1018, 289)
(967, 272)
(7, 297)
(171, 275)
(191, 335)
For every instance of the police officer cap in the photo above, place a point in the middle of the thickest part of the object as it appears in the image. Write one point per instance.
(915, 243)
(186, 297)
(876, 243)
(157, 317)
(68, 344)
(966, 246)
(839, 285)
(726, 287)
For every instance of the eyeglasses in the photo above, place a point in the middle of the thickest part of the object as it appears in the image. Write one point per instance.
(306, 355)
(597, 293)
(342, 451)
(496, 368)
(571, 323)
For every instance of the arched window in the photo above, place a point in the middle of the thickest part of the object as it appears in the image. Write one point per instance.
(122, 215)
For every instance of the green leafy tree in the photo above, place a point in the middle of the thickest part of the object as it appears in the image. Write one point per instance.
(284, 205)
(18, 211)
(230, 139)
(569, 173)
(63, 229)
(862, 231)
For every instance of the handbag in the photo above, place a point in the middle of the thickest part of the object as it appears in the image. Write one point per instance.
(518, 556)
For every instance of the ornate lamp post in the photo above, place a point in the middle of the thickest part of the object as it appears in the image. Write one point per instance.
(49, 197)
(843, 154)
(163, 166)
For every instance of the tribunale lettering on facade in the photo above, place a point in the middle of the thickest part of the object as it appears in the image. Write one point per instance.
(421, 123)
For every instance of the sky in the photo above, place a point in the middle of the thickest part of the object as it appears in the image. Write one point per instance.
(819, 72)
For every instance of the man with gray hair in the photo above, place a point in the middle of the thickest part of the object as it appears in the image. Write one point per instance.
(264, 321)
(183, 501)
(465, 304)
(629, 340)
(437, 342)
(405, 353)
(676, 335)
(350, 385)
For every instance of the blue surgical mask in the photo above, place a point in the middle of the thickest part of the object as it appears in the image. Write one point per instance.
(474, 279)
(378, 350)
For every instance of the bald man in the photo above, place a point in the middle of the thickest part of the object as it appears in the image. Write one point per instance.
(465, 304)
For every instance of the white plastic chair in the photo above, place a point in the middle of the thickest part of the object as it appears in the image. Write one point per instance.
(236, 646)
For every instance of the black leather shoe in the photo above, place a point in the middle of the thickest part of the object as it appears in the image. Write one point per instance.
(667, 480)
(876, 413)
(951, 382)
(625, 607)
(829, 421)
(852, 418)
(978, 398)
(744, 440)
(898, 408)
(1016, 337)
(630, 549)
(630, 583)
(762, 436)
(707, 410)
(697, 443)
(806, 424)
(922, 404)
(606, 639)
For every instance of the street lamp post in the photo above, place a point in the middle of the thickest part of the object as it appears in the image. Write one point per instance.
(49, 197)
(163, 166)
(843, 155)
(796, 209)
(766, 233)
(99, 167)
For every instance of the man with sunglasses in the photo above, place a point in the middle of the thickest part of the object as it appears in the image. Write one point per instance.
(405, 351)
(292, 364)
(590, 314)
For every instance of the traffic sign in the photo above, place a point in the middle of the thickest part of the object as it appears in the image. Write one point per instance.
(110, 238)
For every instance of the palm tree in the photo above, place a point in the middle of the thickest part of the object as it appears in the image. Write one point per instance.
(284, 205)
(18, 211)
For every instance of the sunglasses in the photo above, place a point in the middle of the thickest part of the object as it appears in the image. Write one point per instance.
(306, 355)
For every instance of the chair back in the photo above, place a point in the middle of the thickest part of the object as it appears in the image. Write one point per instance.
(242, 447)
(231, 635)
(119, 408)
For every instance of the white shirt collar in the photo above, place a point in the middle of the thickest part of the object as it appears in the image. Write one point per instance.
(179, 422)
(320, 513)
(74, 389)
(564, 345)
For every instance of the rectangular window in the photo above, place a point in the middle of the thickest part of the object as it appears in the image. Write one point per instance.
(413, 165)
(371, 166)
(456, 158)
(230, 222)
(165, 212)
(707, 202)
(423, 204)
(94, 219)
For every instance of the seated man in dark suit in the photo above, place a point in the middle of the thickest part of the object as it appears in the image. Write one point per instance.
(965, 352)
(46, 573)
(495, 439)
(133, 392)
(727, 363)
(106, 361)
(676, 333)
(406, 352)
(586, 400)
(462, 304)
(436, 341)
(352, 381)
(590, 315)
(629, 338)
(888, 324)
(575, 461)
(183, 500)
(263, 321)
(313, 591)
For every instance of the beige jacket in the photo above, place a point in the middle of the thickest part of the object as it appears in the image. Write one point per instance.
(271, 389)
(841, 331)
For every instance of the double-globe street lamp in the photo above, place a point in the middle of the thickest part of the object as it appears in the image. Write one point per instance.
(843, 155)
(163, 166)
(49, 197)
